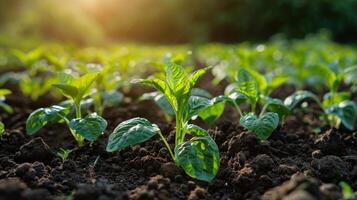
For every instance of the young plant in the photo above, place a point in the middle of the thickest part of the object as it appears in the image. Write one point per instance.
(5, 107)
(336, 105)
(107, 84)
(347, 191)
(199, 155)
(246, 90)
(89, 127)
(63, 154)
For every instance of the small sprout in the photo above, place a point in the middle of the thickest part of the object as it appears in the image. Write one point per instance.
(337, 107)
(89, 127)
(2, 128)
(347, 191)
(63, 154)
(248, 90)
(199, 155)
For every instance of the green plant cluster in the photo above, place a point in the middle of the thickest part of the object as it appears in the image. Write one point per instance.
(91, 79)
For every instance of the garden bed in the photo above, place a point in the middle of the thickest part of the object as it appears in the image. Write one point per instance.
(296, 162)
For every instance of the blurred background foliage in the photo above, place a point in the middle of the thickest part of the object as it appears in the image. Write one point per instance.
(174, 21)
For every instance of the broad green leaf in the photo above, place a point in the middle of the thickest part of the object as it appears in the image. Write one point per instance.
(260, 79)
(2, 128)
(66, 79)
(299, 96)
(131, 132)
(67, 90)
(76, 89)
(176, 77)
(262, 126)
(214, 110)
(275, 105)
(162, 87)
(346, 111)
(195, 130)
(194, 106)
(84, 83)
(334, 98)
(247, 85)
(90, 127)
(42, 116)
(199, 157)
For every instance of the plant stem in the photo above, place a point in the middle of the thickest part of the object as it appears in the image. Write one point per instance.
(263, 110)
(78, 137)
(238, 109)
(167, 146)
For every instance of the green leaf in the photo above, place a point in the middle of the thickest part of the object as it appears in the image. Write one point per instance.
(260, 79)
(42, 116)
(236, 98)
(159, 100)
(262, 126)
(76, 89)
(299, 96)
(247, 85)
(4, 92)
(131, 132)
(347, 191)
(90, 127)
(334, 98)
(67, 90)
(194, 106)
(84, 83)
(214, 110)
(196, 130)
(176, 76)
(275, 105)
(2, 128)
(199, 157)
(196, 75)
(346, 111)
(162, 87)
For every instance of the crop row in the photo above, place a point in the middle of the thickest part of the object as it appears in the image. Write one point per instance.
(194, 149)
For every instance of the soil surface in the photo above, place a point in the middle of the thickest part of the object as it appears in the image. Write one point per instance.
(302, 160)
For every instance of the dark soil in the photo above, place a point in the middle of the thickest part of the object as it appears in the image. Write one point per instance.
(298, 162)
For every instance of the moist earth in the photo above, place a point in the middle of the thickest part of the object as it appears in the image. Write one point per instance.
(302, 160)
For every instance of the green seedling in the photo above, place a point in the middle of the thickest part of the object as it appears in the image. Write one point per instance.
(63, 154)
(107, 84)
(162, 102)
(336, 105)
(266, 84)
(336, 111)
(198, 155)
(347, 191)
(5, 107)
(75, 89)
(246, 90)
